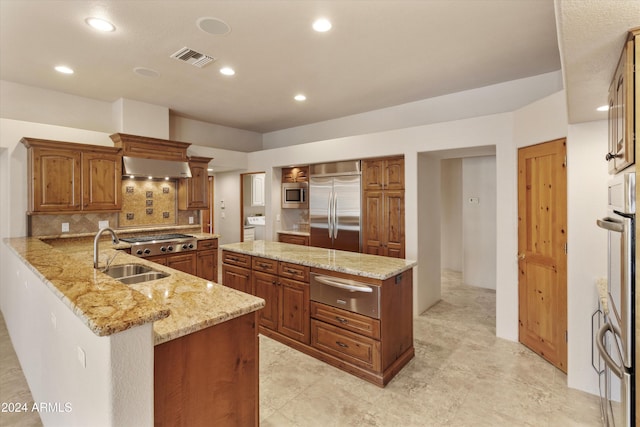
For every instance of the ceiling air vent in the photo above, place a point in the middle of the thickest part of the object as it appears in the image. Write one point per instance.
(192, 57)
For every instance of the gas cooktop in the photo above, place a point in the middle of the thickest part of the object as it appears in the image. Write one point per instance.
(160, 244)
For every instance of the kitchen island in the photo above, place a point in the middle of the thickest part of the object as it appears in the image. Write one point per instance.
(109, 350)
(350, 310)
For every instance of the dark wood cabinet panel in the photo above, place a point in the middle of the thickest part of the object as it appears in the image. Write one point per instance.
(383, 230)
(193, 192)
(183, 262)
(101, 181)
(207, 264)
(237, 278)
(265, 286)
(294, 239)
(294, 310)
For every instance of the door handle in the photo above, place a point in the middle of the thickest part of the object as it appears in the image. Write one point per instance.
(608, 360)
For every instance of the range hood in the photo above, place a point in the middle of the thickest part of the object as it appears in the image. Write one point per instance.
(139, 167)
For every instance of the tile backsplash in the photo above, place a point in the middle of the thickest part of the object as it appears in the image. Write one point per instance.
(145, 203)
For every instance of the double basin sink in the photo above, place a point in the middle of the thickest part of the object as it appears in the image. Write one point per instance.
(134, 273)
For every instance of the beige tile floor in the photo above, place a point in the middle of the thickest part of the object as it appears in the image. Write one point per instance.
(462, 375)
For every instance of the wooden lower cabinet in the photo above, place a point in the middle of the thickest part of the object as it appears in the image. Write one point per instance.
(209, 377)
(183, 262)
(294, 239)
(369, 348)
(207, 260)
(383, 223)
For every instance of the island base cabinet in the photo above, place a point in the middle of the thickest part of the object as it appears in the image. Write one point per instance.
(209, 377)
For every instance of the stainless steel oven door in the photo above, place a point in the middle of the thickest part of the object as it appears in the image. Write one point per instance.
(618, 394)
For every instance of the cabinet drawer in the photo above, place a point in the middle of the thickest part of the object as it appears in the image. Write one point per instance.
(265, 264)
(353, 322)
(294, 271)
(207, 244)
(233, 258)
(293, 239)
(345, 345)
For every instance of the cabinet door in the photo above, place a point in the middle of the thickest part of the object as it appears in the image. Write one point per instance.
(207, 264)
(237, 278)
(257, 189)
(183, 262)
(373, 223)
(372, 174)
(193, 192)
(56, 184)
(158, 259)
(294, 310)
(394, 174)
(265, 286)
(101, 181)
(394, 234)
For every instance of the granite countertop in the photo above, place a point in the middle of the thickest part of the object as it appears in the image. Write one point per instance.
(372, 266)
(178, 304)
(294, 232)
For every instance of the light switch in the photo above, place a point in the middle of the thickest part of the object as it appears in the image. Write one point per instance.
(82, 357)
(190, 220)
(103, 224)
(65, 227)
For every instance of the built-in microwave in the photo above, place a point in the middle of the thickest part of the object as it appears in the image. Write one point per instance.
(294, 195)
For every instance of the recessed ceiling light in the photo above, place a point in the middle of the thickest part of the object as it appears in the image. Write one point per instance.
(63, 69)
(322, 25)
(227, 71)
(300, 97)
(213, 26)
(100, 24)
(146, 72)
(603, 108)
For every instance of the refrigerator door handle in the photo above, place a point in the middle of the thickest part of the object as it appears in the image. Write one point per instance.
(335, 215)
(329, 229)
(608, 360)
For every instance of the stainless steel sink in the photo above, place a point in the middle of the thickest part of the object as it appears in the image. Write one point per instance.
(134, 273)
(144, 277)
(124, 270)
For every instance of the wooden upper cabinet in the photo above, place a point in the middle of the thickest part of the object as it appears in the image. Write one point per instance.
(69, 177)
(193, 192)
(295, 174)
(621, 153)
(383, 174)
(101, 177)
(150, 148)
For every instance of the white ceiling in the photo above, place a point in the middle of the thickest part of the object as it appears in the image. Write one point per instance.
(378, 54)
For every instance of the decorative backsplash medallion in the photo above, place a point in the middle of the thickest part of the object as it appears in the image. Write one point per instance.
(152, 202)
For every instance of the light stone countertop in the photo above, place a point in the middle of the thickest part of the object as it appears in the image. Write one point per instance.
(372, 266)
(178, 305)
(294, 232)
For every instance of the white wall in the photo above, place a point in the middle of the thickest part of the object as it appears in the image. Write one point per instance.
(140, 118)
(479, 221)
(451, 223)
(587, 179)
(114, 388)
(494, 99)
(212, 135)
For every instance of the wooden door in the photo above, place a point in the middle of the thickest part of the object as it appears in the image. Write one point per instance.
(206, 265)
(542, 238)
(394, 174)
(266, 287)
(101, 181)
(394, 223)
(372, 174)
(294, 310)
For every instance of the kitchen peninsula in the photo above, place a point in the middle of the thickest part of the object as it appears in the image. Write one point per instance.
(111, 350)
(348, 309)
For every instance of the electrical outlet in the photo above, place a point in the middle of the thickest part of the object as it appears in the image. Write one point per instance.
(103, 224)
(190, 220)
(222, 215)
(65, 227)
(474, 200)
(278, 217)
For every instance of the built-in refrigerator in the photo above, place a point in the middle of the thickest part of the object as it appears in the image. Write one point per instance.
(334, 205)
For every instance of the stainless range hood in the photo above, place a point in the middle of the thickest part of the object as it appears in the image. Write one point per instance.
(152, 168)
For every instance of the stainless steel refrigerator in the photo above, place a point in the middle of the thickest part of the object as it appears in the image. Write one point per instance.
(334, 205)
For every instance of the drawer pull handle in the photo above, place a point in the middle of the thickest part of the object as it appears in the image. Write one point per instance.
(342, 320)
(263, 265)
(290, 271)
(341, 344)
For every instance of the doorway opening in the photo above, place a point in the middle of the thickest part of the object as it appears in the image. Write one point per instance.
(252, 206)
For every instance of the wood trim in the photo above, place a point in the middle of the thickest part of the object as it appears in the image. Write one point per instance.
(29, 142)
(150, 148)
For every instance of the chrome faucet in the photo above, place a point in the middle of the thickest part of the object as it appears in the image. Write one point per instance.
(97, 239)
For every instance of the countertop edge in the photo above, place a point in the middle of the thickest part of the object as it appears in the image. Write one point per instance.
(362, 273)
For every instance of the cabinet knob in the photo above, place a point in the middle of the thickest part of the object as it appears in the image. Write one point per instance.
(610, 156)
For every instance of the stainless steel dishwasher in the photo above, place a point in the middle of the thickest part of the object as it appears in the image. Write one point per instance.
(346, 294)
